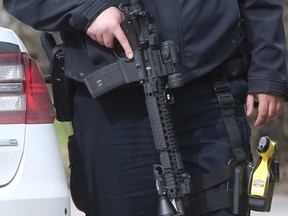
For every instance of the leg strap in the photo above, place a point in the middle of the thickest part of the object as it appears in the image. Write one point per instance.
(209, 203)
(211, 179)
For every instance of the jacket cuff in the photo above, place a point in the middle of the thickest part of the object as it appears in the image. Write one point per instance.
(89, 12)
(268, 86)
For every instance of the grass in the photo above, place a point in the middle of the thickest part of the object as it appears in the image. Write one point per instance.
(63, 130)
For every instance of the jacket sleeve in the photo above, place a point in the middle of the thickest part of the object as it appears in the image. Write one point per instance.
(267, 46)
(56, 15)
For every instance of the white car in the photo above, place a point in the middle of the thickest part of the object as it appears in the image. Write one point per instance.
(32, 176)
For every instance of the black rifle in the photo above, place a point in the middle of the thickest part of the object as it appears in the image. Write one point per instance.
(154, 67)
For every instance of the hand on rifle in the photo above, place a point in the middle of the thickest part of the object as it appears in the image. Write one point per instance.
(107, 27)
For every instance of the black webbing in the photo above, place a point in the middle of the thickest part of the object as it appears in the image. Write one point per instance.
(209, 203)
(223, 199)
(226, 102)
(211, 179)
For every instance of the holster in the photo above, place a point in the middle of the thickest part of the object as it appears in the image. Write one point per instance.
(63, 88)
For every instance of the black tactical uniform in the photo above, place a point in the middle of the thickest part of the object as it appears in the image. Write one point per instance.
(112, 150)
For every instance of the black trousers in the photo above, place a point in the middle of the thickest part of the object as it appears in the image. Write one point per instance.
(112, 151)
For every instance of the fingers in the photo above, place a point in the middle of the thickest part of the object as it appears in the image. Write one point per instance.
(263, 112)
(107, 27)
(122, 39)
(250, 105)
(270, 106)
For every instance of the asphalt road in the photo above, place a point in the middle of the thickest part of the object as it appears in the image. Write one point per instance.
(279, 207)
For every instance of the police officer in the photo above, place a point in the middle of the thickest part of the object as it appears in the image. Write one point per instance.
(112, 150)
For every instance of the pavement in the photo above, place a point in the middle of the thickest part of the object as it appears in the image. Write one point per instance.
(279, 207)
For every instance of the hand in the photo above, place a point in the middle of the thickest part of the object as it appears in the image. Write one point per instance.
(106, 27)
(270, 106)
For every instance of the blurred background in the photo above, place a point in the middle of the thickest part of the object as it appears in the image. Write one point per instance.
(278, 129)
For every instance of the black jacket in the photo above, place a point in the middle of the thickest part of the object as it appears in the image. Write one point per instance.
(207, 33)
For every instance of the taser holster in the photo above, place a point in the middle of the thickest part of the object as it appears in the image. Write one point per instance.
(252, 185)
(264, 175)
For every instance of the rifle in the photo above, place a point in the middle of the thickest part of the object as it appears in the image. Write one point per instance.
(154, 67)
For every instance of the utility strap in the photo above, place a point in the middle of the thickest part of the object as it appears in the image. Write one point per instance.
(211, 179)
(209, 203)
(227, 105)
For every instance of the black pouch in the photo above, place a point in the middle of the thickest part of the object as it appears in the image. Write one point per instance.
(78, 180)
(239, 188)
(63, 88)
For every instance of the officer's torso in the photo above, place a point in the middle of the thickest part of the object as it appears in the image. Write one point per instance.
(206, 33)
